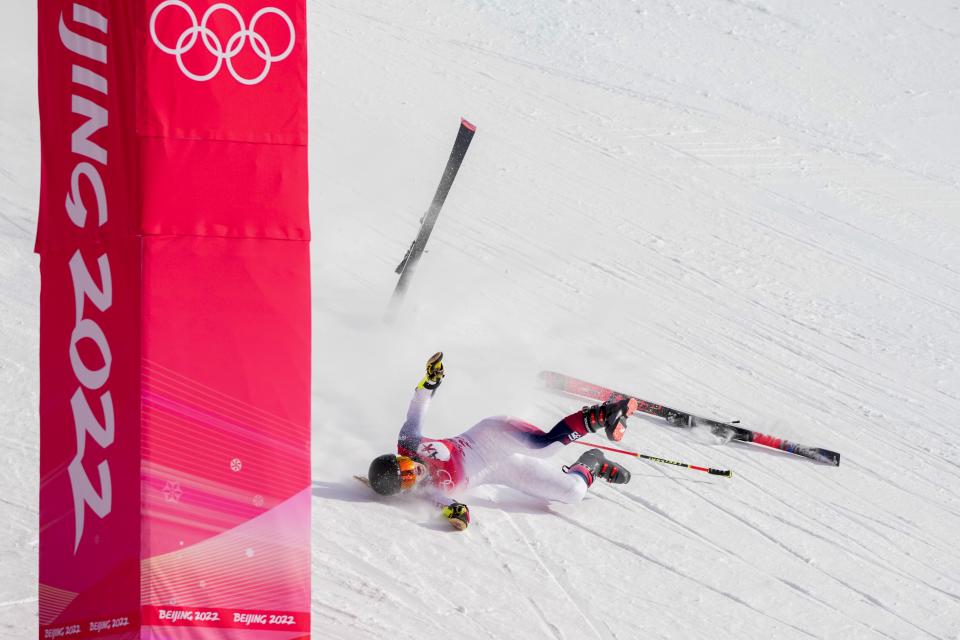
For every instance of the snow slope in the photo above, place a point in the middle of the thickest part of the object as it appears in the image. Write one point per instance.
(19, 321)
(744, 208)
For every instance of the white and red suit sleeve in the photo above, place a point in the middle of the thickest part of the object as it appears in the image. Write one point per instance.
(411, 432)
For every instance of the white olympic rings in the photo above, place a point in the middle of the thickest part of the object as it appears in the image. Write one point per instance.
(235, 44)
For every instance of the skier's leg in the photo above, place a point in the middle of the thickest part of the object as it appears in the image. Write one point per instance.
(509, 434)
(495, 438)
(489, 441)
(538, 478)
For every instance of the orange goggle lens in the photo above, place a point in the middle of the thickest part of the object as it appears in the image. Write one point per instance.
(408, 472)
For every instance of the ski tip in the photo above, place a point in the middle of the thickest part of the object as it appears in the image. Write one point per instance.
(827, 457)
(548, 377)
(468, 125)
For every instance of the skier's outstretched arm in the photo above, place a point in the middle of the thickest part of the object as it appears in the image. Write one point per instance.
(411, 432)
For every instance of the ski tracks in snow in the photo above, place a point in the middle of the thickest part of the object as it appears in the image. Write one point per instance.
(744, 250)
(716, 545)
(567, 601)
(668, 567)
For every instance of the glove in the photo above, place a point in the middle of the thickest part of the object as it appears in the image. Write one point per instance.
(434, 372)
(458, 515)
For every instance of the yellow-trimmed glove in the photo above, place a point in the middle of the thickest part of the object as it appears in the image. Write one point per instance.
(458, 515)
(434, 372)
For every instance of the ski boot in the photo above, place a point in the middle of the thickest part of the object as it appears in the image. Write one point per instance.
(611, 415)
(593, 464)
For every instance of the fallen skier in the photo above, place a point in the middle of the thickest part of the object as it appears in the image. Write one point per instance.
(498, 450)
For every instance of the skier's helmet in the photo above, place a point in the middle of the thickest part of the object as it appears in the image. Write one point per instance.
(390, 474)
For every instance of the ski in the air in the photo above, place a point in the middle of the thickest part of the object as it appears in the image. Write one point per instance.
(410, 260)
(726, 430)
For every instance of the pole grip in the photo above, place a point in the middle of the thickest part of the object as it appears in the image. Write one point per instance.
(726, 473)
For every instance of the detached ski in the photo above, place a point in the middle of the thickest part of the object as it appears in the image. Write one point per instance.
(726, 430)
(408, 265)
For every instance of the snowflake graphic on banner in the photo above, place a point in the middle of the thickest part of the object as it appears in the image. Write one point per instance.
(172, 491)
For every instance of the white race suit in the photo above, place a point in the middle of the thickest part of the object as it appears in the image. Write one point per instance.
(498, 450)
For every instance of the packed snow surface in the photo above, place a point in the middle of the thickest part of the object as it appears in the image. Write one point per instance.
(748, 209)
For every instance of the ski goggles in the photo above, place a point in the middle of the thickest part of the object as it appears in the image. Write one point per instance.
(409, 472)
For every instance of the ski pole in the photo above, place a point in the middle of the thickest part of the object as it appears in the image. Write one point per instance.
(726, 473)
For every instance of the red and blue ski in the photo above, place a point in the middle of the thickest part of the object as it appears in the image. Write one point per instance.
(727, 430)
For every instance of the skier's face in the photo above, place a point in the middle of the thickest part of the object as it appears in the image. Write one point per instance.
(411, 472)
(421, 470)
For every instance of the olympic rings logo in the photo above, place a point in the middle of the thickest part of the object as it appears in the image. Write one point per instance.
(199, 31)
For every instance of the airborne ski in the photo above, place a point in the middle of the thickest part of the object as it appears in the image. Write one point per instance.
(408, 265)
(727, 430)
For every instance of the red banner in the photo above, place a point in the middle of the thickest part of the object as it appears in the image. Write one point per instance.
(175, 346)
